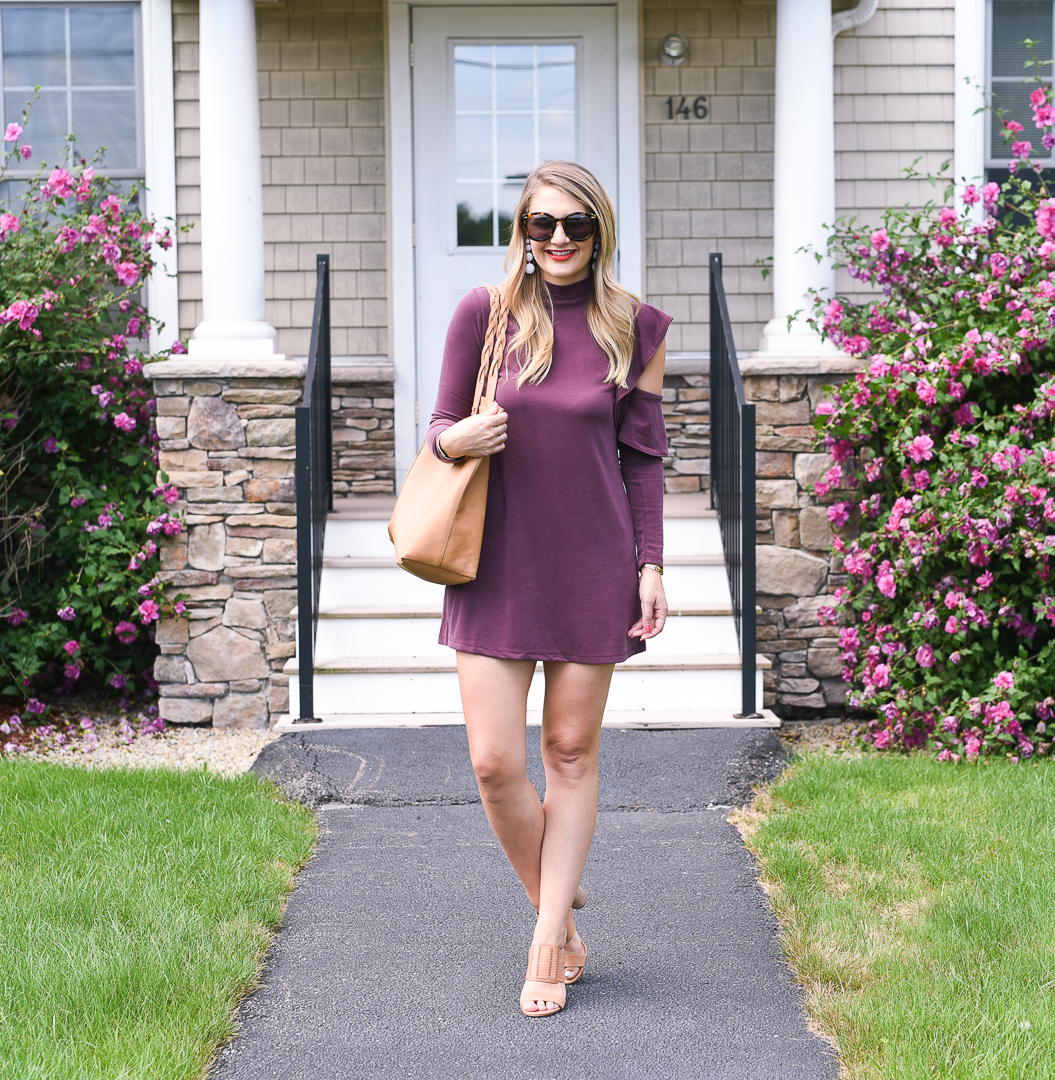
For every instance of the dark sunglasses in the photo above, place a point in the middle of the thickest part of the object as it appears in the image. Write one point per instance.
(579, 227)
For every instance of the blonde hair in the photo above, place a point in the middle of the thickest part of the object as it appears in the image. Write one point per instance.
(612, 309)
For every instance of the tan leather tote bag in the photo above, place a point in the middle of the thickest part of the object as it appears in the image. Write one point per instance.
(438, 523)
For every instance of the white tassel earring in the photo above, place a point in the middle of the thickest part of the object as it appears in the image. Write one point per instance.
(530, 267)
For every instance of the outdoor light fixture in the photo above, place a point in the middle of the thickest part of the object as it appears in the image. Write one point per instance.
(673, 50)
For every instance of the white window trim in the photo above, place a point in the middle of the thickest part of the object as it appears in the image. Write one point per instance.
(400, 186)
(159, 152)
(970, 73)
(156, 106)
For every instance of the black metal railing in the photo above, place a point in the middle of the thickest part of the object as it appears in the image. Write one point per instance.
(314, 479)
(733, 480)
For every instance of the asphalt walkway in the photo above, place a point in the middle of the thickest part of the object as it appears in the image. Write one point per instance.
(403, 949)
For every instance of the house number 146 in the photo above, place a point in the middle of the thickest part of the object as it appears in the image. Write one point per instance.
(683, 111)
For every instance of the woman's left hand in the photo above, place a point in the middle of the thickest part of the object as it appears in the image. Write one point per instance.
(653, 606)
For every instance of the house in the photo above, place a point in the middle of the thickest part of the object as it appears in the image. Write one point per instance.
(392, 135)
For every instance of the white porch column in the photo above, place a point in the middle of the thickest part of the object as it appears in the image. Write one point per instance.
(803, 171)
(232, 207)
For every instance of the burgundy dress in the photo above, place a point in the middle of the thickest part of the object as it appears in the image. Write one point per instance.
(574, 501)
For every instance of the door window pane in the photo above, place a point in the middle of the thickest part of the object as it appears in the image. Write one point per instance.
(515, 107)
(83, 57)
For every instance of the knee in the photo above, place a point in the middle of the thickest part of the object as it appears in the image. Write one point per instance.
(495, 772)
(569, 757)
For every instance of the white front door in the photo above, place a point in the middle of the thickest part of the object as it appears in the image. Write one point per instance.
(496, 92)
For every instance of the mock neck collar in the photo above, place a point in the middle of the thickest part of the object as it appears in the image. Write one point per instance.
(571, 295)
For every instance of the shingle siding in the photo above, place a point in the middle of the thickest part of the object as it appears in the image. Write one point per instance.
(322, 139)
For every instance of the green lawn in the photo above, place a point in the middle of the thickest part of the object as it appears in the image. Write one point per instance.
(918, 907)
(135, 910)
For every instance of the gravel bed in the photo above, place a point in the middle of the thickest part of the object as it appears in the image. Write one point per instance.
(97, 737)
(802, 737)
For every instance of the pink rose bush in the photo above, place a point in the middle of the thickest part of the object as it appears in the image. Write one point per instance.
(943, 469)
(81, 510)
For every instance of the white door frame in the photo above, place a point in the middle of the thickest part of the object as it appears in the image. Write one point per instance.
(400, 167)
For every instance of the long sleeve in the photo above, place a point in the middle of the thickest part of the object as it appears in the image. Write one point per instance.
(461, 364)
(642, 438)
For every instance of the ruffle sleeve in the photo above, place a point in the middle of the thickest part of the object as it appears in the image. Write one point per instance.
(642, 436)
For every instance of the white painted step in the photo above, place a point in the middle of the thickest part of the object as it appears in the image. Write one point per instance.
(681, 536)
(613, 718)
(418, 691)
(383, 585)
(337, 637)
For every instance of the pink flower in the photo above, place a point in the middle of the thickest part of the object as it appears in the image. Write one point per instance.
(998, 264)
(879, 240)
(178, 349)
(885, 582)
(947, 216)
(920, 449)
(72, 647)
(127, 273)
(1013, 126)
(67, 613)
(72, 672)
(16, 617)
(61, 183)
(123, 421)
(952, 625)
(23, 311)
(925, 392)
(1045, 216)
(881, 675)
(990, 196)
(13, 132)
(126, 632)
(8, 224)
(839, 513)
(882, 739)
(1021, 150)
(825, 408)
(925, 656)
(181, 607)
(950, 724)
(148, 611)
(1004, 681)
(972, 746)
(51, 445)
(970, 195)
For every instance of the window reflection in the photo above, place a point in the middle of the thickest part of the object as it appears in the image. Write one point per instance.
(515, 107)
(83, 59)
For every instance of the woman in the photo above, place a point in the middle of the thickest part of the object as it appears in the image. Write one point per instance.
(571, 562)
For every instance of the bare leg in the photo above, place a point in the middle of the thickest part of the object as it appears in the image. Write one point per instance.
(571, 733)
(494, 699)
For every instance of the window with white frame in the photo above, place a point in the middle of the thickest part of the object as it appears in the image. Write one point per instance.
(1010, 24)
(85, 59)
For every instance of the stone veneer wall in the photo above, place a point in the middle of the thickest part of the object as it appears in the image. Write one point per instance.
(364, 447)
(796, 569)
(227, 442)
(687, 412)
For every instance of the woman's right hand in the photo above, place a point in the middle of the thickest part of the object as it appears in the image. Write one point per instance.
(476, 436)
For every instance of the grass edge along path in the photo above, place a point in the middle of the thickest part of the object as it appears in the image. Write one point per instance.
(139, 905)
(915, 904)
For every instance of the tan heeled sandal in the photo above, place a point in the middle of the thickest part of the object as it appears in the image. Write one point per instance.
(575, 960)
(544, 980)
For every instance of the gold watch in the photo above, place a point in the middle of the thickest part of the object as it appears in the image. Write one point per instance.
(652, 566)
